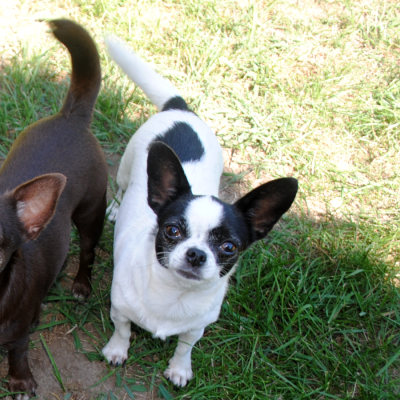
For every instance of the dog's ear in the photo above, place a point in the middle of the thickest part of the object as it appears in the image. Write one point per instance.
(263, 206)
(36, 201)
(166, 178)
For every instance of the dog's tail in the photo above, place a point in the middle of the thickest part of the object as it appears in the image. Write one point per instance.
(158, 89)
(86, 72)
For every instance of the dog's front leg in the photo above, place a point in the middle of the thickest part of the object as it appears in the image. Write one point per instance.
(116, 350)
(21, 378)
(179, 370)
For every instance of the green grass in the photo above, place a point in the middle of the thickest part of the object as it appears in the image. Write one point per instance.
(307, 89)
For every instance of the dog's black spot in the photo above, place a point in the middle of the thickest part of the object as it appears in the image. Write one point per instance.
(172, 214)
(231, 229)
(176, 103)
(184, 141)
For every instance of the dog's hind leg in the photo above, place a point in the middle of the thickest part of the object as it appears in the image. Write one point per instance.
(179, 370)
(123, 180)
(89, 222)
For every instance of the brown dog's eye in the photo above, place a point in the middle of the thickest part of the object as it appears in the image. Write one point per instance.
(228, 247)
(172, 231)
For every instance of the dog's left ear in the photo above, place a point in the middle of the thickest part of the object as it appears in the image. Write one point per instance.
(263, 206)
(166, 178)
(36, 201)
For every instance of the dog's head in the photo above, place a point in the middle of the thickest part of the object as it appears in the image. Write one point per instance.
(200, 238)
(26, 210)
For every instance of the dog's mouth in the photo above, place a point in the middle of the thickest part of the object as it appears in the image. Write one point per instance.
(188, 274)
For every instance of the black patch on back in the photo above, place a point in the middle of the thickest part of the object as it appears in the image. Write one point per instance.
(176, 103)
(184, 141)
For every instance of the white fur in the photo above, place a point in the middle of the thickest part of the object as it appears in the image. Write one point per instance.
(204, 176)
(156, 88)
(156, 298)
(203, 214)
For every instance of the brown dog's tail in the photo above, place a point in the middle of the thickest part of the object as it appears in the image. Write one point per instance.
(86, 72)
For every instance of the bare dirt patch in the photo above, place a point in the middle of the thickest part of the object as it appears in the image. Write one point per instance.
(80, 376)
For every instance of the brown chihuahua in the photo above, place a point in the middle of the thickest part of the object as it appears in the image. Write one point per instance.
(55, 171)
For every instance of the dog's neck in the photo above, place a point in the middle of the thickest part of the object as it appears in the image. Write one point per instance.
(171, 301)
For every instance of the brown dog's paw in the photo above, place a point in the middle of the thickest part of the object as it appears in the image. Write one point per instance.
(81, 290)
(23, 385)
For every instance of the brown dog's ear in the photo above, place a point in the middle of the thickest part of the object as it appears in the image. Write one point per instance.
(166, 177)
(36, 202)
(263, 206)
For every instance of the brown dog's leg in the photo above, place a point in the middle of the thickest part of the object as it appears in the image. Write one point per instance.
(21, 378)
(90, 226)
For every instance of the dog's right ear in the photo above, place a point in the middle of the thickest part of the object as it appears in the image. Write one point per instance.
(166, 178)
(35, 202)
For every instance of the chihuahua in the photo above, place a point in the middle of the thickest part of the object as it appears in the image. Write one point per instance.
(176, 244)
(55, 171)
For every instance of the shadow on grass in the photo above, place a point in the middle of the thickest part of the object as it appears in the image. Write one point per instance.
(307, 316)
(318, 316)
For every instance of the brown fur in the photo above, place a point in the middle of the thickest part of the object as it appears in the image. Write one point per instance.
(34, 247)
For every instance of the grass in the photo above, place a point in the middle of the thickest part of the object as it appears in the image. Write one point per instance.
(308, 89)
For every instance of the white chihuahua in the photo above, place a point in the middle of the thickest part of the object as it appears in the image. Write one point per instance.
(176, 244)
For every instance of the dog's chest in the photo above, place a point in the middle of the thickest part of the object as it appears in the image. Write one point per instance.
(165, 317)
(153, 303)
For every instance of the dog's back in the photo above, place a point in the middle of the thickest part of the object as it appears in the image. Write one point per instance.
(191, 138)
(63, 143)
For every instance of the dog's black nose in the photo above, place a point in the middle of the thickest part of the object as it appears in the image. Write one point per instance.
(196, 257)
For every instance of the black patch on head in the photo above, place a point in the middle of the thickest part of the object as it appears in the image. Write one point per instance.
(232, 229)
(184, 141)
(176, 103)
(172, 214)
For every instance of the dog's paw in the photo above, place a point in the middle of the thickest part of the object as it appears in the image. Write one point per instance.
(179, 376)
(27, 385)
(115, 353)
(81, 290)
(112, 211)
(24, 396)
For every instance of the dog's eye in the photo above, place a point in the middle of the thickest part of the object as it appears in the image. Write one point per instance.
(228, 247)
(172, 231)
